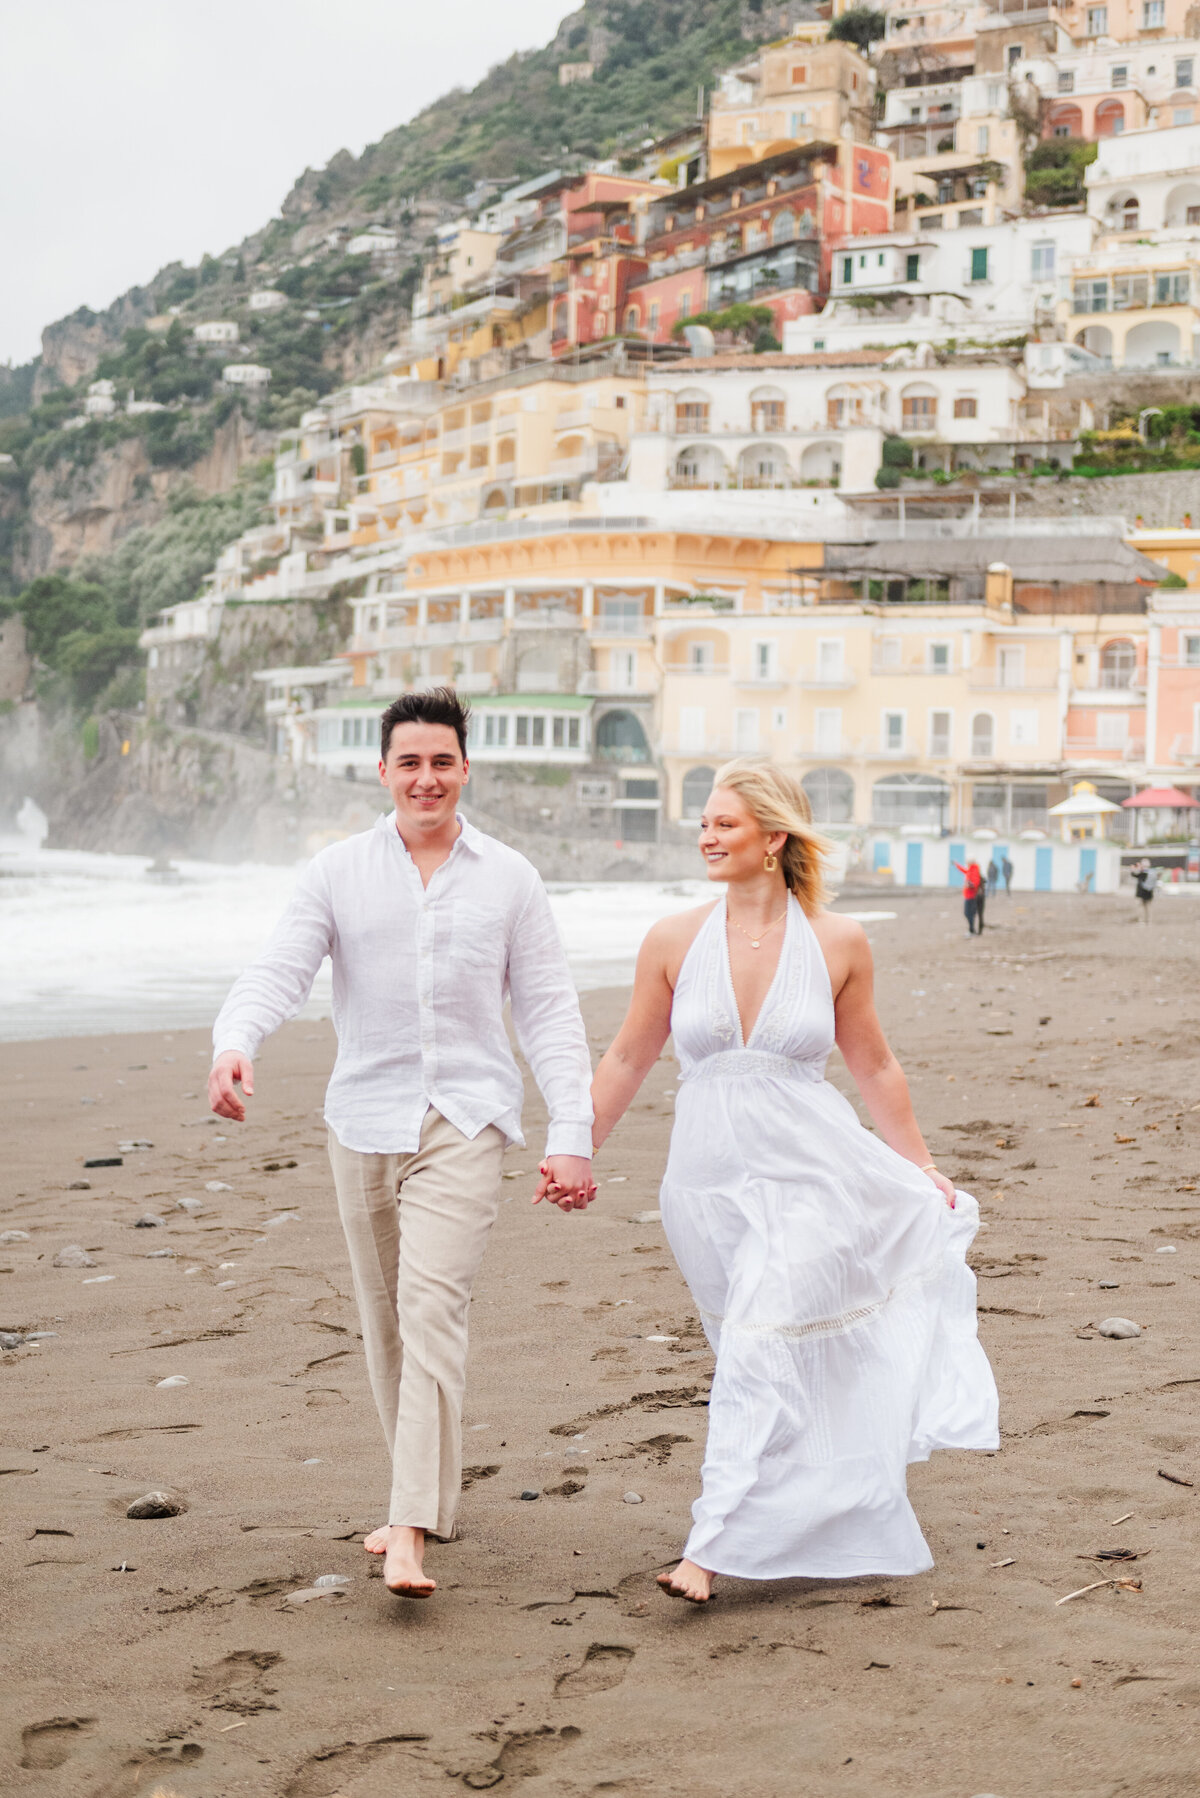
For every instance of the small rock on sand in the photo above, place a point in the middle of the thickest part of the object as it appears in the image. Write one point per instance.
(14, 1235)
(217, 1186)
(10, 1340)
(1119, 1327)
(647, 1217)
(149, 1220)
(156, 1504)
(73, 1256)
(529, 1493)
(134, 1144)
(80, 1186)
(633, 1498)
(190, 1205)
(308, 1593)
(172, 1379)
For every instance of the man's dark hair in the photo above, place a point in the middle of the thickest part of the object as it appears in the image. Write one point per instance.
(440, 705)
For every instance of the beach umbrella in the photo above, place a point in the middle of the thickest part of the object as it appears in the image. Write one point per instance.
(1164, 796)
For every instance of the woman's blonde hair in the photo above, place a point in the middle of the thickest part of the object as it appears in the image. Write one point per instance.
(777, 801)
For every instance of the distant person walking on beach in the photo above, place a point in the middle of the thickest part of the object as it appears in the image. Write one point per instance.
(972, 897)
(1145, 880)
(993, 877)
(430, 925)
(1006, 868)
(827, 1263)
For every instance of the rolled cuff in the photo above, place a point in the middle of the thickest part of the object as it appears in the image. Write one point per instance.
(237, 1043)
(570, 1139)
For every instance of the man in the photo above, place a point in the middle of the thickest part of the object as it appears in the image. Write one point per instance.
(429, 924)
(972, 897)
(993, 877)
(1145, 879)
(1006, 868)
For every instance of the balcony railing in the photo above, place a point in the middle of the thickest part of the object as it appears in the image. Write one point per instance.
(573, 420)
(827, 680)
(830, 749)
(1183, 749)
(606, 625)
(701, 668)
(1087, 749)
(992, 680)
(570, 468)
(551, 618)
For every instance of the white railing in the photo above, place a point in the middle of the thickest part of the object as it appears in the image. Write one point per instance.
(566, 468)
(990, 680)
(605, 626)
(551, 618)
(452, 440)
(1087, 749)
(827, 749)
(703, 668)
(814, 678)
(482, 433)
(572, 421)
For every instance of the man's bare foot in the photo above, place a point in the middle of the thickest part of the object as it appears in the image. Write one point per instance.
(403, 1571)
(376, 1543)
(688, 1581)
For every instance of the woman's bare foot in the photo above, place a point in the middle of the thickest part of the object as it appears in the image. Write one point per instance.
(688, 1581)
(376, 1543)
(403, 1570)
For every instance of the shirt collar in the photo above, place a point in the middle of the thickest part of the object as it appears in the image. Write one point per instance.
(472, 840)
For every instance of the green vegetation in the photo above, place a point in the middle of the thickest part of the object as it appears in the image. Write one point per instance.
(519, 121)
(859, 26)
(1172, 440)
(1054, 171)
(84, 625)
(747, 323)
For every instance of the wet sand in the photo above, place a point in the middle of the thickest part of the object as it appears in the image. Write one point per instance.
(1054, 1065)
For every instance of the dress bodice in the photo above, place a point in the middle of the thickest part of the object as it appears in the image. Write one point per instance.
(794, 1031)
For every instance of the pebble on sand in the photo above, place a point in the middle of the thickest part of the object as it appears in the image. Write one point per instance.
(14, 1235)
(104, 1161)
(161, 1255)
(190, 1205)
(1119, 1327)
(308, 1593)
(156, 1504)
(9, 1339)
(217, 1186)
(80, 1186)
(134, 1144)
(149, 1220)
(647, 1217)
(73, 1256)
(633, 1498)
(172, 1379)
(529, 1493)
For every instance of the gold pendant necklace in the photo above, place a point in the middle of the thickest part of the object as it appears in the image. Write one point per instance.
(755, 941)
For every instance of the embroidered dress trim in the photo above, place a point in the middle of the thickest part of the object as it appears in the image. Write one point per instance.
(828, 1326)
(734, 1064)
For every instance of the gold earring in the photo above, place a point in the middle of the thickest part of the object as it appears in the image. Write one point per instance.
(770, 862)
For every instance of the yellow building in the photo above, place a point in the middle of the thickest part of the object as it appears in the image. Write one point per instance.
(796, 92)
(522, 439)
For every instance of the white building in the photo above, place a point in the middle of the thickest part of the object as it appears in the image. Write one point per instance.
(245, 374)
(1147, 181)
(780, 422)
(216, 330)
(267, 299)
(983, 284)
(374, 241)
(101, 401)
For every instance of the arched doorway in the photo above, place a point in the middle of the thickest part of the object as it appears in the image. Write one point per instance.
(1109, 119)
(697, 785)
(699, 465)
(831, 795)
(620, 738)
(763, 465)
(1152, 345)
(1063, 121)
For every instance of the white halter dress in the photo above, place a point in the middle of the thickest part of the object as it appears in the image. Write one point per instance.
(832, 1283)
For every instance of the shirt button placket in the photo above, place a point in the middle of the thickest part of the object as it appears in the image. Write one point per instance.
(425, 940)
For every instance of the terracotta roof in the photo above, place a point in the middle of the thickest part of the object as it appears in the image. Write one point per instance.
(780, 359)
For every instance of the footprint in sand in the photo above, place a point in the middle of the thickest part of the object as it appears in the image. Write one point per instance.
(50, 1744)
(522, 1756)
(236, 1683)
(334, 1771)
(604, 1666)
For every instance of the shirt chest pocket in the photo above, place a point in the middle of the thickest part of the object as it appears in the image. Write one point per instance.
(479, 938)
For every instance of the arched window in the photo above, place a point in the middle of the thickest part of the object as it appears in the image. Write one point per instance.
(983, 736)
(831, 795)
(1118, 664)
(768, 409)
(620, 738)
(843, 406)
(783, 227)
(918, 408)
(631, 318)
(697, 785)
(1129, 214)
(691, 411)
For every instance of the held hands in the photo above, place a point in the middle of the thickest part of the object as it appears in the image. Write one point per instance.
(944, 1186)
(567, 1182)
(229, 1070)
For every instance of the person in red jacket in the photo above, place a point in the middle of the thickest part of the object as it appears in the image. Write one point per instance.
(972, 887)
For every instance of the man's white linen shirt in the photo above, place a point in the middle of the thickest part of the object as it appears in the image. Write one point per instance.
(420, 976)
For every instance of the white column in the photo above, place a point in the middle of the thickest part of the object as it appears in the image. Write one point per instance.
(464, 612)
(510, 604)
(422, 613)
(589, 599)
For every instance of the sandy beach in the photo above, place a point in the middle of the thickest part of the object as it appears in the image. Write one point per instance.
(1054, 1066)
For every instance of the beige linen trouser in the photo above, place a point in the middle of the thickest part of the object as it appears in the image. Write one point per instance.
(416, 1227)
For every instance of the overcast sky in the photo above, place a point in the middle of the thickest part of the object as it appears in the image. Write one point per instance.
(139, 132)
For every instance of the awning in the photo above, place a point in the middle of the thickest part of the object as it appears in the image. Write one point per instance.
(1164, 796)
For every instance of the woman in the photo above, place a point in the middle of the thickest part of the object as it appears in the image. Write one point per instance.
(828, 1263)
(972, 897)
